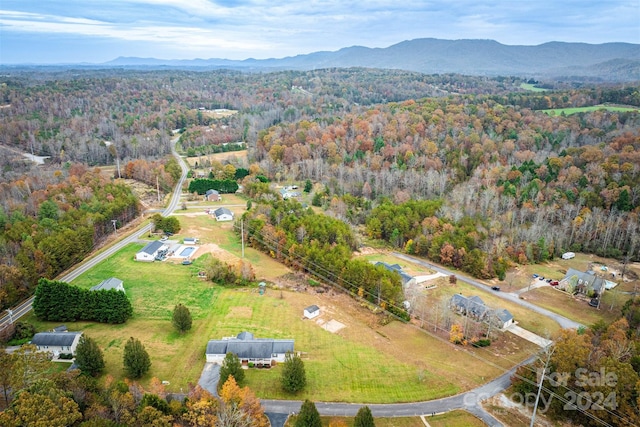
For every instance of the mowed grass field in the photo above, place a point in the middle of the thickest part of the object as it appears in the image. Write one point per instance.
(363, 362)
(569, 111)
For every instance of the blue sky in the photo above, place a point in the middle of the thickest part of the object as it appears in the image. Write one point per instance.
(94, 31)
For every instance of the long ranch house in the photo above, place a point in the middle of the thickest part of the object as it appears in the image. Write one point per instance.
(259, 351)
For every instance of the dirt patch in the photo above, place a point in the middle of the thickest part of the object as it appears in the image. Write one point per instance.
(217, 252)
(240, 312)
(332, 325)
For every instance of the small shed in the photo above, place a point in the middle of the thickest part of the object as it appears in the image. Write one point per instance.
(312, 311)
(107, 284)
(190, 240)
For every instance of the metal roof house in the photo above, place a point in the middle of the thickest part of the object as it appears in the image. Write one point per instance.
(223, 214)
(57, 342)
(149, 252)
(107, 284)
(264, 351)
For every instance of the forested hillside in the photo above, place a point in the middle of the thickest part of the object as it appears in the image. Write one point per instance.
(511, 184)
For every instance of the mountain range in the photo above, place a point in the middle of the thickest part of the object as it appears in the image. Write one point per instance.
(557, 60)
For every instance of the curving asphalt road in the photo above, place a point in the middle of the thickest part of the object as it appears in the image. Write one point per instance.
(25, 306)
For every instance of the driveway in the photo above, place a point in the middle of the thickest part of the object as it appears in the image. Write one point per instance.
(209, 378)
(529, 336)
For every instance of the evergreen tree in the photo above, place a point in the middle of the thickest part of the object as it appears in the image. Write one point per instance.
(308, 186)
(293, 374)
(136, 359)
(364, 418)
(181, 318)
(89, 356)
(308, 416)
(231, 366)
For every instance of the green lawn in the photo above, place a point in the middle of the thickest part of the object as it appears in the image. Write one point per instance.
(531, 87)
(569, 111)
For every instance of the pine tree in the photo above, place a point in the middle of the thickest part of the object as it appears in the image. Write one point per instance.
(136, 359)
(308, 416)
(89, 356)
(231, 366)
(181, 318)
(364, 418)
(293, 374)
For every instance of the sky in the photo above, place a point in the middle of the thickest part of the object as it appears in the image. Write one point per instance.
(96, 31)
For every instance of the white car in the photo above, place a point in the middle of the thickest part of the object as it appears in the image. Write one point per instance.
(164, 238)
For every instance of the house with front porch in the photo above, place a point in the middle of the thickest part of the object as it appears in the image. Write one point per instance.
(258, 351)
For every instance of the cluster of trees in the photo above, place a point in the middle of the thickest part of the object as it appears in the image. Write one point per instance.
(51, 220)
(169, 224)
(201, 185)
(241, 274)
(60, 301)
(593, 375)
(321, 246)
(310, 417)
(162, 173)
(34, 395)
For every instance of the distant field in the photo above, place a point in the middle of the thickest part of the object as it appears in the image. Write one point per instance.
(569, 111)
(532, 88)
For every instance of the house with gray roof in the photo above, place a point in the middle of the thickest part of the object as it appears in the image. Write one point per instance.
(473, 306)
(223, 214)
(259, 351)
(57, 343)
(576, 281)
(212, 196)
(406, 278)
(107, 284)
(502, 318)
(149, 252)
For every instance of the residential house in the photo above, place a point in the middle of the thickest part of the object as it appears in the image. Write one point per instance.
(586, 283)
(259, 351)
(110, 283)
(57, 343)
(406, 278)
(290, 192)
(223, 214)
(311, 312)
(502, 318)
(472, 307)
(150, 251)
(212, 196)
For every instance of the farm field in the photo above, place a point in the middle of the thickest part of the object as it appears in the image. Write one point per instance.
(531, 87)
(569, 111)
(240, 155)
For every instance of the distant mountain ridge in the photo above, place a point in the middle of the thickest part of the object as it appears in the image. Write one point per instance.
(608, 61)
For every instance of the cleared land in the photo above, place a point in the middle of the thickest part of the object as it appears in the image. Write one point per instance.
(531, 87)
(569, 111)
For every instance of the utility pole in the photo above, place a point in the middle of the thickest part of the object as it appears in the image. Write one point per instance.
(242, 235)
(535, 406)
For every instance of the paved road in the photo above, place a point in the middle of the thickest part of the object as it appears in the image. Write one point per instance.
(562, 321)
(24, 307)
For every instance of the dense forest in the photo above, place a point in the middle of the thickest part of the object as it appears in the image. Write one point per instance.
(506, 182)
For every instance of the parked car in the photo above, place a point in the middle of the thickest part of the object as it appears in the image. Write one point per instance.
(186, 262)
(554, 283)
(549, 280)
(541, 278)
(495, 288)
(163, 238)
(535, 276)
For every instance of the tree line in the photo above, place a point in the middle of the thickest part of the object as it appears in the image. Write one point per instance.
(62, 302)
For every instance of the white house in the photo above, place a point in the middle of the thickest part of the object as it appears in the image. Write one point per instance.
(262, 351)
(223, 214)
(149, 252)
(57, 342)
(110, 283)
(312, 311)
(568, 255)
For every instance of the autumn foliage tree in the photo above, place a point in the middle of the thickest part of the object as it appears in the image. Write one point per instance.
(241, 404)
